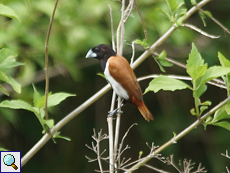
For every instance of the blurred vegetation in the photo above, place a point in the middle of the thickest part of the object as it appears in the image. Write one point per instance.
(78, 26)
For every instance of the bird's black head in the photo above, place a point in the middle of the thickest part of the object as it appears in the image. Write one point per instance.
(102, 52)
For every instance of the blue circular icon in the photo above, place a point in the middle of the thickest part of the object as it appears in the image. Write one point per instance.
(8, 159)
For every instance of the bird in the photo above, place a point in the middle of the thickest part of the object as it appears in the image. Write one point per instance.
(121, 77)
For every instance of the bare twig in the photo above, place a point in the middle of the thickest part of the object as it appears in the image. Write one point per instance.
(122, 141)
(156, 169)
(96, 148)
(142, 20)
(215, 21)
(133, 54)
(112, 32)
(200, 31)
(227, 156)
(122, 36)
(111, 152)
(47, 60)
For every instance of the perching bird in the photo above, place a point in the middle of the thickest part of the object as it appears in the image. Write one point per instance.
(121, 77)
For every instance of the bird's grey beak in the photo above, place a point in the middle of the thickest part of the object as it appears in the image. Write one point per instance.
(91, 54)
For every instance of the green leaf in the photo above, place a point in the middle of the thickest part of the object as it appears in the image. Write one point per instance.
(164, 13)
(203, 16)
(220, 114)
(165, 83)
(227, 108)
(3, 149)
(195, 64)
(162, 55)
(3, 90)
(209, 119)
(8, 12)
(63, 137)
(223, 124)
(49, 123)
(55, 99)
(180, 3)
(193, 2)
(143, 43)
(16, 86)
(7, 59)
(16, 104)
(102, 75)
(223, 61)
(40, 102)
(207, 103)
(201, 90)
(37, 97)
(165, 63)
(193, 112)
(202, 109)
(160, 66)
(172, 5)
(6, 54)
(174, 134)
(214, 72)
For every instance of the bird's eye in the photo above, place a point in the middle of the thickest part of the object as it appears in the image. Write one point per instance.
(96, 49)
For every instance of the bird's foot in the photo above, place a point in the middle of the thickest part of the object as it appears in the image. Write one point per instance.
(111, 113)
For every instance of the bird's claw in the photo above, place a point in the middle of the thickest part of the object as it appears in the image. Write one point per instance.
(111, 113)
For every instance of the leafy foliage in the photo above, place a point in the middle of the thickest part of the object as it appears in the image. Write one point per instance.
(38, 107)
(165, 83)
(7, 11)
(8, 61)
(200, 74)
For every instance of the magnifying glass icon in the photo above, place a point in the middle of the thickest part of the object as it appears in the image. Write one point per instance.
(9, 160)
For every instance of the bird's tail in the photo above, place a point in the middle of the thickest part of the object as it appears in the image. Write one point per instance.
(145, 112)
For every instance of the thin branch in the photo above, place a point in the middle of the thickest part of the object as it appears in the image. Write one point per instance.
(200, 31)
(226, 154)
(142, 20)
(122, 141)
(111, 152)
(122, 37)
(117, 131)
(112, 32)
(133, 54)
(215, 21)
(179, 136)
(47, 60)
(156, 169)
(96, 148)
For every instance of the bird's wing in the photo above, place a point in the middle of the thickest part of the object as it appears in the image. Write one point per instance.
(121, 71)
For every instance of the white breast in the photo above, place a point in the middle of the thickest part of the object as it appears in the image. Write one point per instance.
(115, 85)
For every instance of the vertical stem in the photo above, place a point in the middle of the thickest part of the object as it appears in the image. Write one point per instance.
(111, 153)
(47, 60)
(142, 21)
(117, 130)
(110, 128)
(111, 18)
(122, 28)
